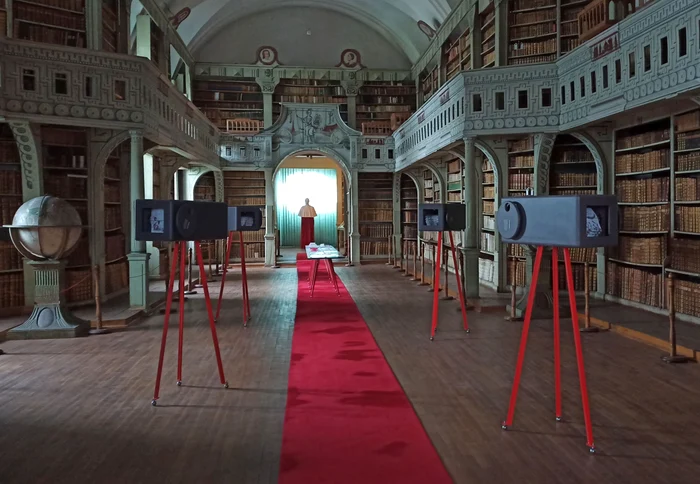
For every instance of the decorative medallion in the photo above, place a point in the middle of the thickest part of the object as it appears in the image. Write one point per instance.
(350, 59)
(426, 29)
(180, 17)
(122, 115)
(267, 56)
(77, 111)
(92, 112)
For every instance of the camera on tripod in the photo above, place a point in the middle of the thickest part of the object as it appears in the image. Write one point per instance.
(441, 217)
(559, 221)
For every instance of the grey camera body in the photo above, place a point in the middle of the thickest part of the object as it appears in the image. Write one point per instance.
(441, 217)
(180, 220)
(245, 218)
(559, 221)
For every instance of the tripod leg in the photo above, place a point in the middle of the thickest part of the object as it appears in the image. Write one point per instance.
(223, 276)
(168, 305)
(459, 284)
(557, 352)
(436, 293)
(313, 277)
(207, 300)
(180, 334)
(523, 340)
(244, 281)
(579, 352)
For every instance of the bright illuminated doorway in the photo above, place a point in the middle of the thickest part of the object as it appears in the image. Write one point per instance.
(318, 178)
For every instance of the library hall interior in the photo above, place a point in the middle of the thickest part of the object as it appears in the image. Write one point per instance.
(349, 241)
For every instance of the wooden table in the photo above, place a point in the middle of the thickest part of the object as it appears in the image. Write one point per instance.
(325, 253)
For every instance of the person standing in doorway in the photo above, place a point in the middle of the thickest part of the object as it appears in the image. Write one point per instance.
(307, 214)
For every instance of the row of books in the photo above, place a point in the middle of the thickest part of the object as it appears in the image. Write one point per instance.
(376, 231)
(636, 162)
(520, 161)
(489, 192)
(645, 219)
(374, 248)
(374, 215)
(487, 270)
(683, 254)
(10, 258)
(634, 284)
(410, 217)
(643, 250)
(688, 219)
(115, 247)
(12, 290)
(686, 297)
(520, 181)
(573, 179)
(571, 156)
(8, 208)
(488, 242)
(643, 139)
(688, 121)
(688, 141)
(647, 190)
(520, 49)
(687, 189)
(10, 182)
(688, 161)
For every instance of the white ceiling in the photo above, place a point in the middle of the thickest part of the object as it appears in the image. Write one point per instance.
(396, 20)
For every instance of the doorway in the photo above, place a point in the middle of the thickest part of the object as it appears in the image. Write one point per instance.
(319, 178)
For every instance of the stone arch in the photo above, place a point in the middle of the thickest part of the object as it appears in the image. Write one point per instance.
(493, 160)
(544, 145)
(329, 152)
(598, 158)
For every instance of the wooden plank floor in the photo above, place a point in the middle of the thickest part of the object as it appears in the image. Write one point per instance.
(78, 411)
(74, 411)
(644, 411)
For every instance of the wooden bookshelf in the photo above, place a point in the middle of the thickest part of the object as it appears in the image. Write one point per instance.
(205, 188)
(521, 168)
(246, 188)
(455, 181)
(532, 32)
(568, 20)
(65, 169)
(110, 25)
(376, 214)
(573, 172)
(487, 22)
(684, 248)
(11, 272)
(643, 186)
(409, 213)
(309, 91)
(157, 39)
(431, 194)
(430, 82)
(488, 272)
(229, 100)
(116, 264)
(60, 22)
(3, 21)
(380, 101)
(457, 55)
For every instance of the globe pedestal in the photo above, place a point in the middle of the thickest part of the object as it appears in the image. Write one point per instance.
(49, 319)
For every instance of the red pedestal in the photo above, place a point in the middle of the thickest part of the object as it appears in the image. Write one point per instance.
(307, 231)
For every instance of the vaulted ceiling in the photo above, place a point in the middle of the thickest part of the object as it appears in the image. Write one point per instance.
(395, 20)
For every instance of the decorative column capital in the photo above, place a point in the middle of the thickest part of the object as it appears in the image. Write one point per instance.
(352, 88)
(136, 134)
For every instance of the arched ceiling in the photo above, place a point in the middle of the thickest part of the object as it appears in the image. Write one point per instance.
(396, 20)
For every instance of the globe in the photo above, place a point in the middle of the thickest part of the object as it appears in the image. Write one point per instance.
(46, 228)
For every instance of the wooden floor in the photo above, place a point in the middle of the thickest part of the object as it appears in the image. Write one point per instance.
(74, 411)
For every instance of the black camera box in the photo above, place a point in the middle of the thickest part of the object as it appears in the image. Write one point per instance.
(180, 220)
(441, 217)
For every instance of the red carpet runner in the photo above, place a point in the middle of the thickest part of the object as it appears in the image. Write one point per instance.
(347, 419)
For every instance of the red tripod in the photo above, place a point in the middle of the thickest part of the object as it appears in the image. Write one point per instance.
(244, 279)
(436, 292)
(180, 251)
(577, 342)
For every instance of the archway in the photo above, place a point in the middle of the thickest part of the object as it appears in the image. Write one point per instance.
(324, 180)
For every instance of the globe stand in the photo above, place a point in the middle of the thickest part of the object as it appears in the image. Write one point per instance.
(50, 318)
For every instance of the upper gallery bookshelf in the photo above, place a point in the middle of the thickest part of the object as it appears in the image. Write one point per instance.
(110, 25)
(487, 21)
(568, 20)
(310, 91)
(230, 99)
(430, 82)
(3, 26)
(643, 186)
(11, 272)
(458, 55)
(379, 101)
(375, 213)
(409, 213)
(66, 176)
(521, 168)
(573, 172)
(532, 33)
(59, 22)
(247, 188)
(487, 245)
